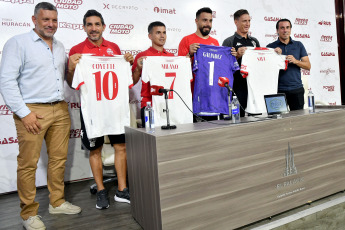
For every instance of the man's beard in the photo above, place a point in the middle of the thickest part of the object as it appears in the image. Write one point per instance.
(205, 33)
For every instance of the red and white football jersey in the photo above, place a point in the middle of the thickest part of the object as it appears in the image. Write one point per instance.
(261, 67)
(104, 83)
(171, 73)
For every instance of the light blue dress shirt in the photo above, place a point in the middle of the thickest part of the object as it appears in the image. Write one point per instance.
(31, 73)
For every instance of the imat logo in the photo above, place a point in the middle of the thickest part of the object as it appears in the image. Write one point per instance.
(161, 10)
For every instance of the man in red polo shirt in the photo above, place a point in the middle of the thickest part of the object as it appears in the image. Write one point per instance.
(157, 34)
(95, 44)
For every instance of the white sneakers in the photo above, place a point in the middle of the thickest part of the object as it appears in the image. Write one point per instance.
(65, 208)
(34, 223)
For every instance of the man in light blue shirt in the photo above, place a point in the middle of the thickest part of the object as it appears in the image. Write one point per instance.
(32, 73)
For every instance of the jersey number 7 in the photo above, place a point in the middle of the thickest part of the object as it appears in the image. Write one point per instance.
(171, 93)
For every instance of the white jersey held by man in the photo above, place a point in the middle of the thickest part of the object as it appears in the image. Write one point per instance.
(104, 83)
(261, 68)
(171, 73)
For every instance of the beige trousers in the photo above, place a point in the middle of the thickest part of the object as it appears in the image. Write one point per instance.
(56, 125)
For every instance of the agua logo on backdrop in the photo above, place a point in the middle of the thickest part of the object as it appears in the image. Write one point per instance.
(329, 88)
(4, 110)
(9, 22)
(120, 28)
(19, 1)
(326, 38)
(161, 10)
(8, 140)
(271, 19)
(301, 21)
(72, 26)
(68, 4)
(325, 23)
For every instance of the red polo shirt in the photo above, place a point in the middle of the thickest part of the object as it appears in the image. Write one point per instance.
(183, 48)
(145, 88)
(105, 49)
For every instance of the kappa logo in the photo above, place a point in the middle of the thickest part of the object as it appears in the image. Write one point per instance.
(327, 71)
(19, 1)
(271, 19)
(302, 35)
(110, 51)
(72, 26)
(329, 88)
(301, 21)
(326, 38)
(8, 140)
(305, 72)
(238, 44)
(327, 54)
(4, 110)
(120, 28)
(325, 23)
(9, 22)
(164, 11)
(75, 133)
(68, 4)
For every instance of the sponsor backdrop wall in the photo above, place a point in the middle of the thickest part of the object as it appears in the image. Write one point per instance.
(126, 24)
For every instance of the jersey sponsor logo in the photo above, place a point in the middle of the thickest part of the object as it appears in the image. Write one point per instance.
(327, 54)
(301, 21)
(9, 22)
(75, 133)
(19, 1)
(119, 7)
(271, 19)
(72, 26)
(326, 38)
(120, 28)
(173, 51)
(305, 72)
(133, 52)
(68, 4)
(8, 140)
(261, 58)
(301, 35)
(164, 11)
(325, 23)
(327, 71)
(329, 88)
(4, 110)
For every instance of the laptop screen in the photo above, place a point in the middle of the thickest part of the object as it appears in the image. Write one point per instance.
(276, 104)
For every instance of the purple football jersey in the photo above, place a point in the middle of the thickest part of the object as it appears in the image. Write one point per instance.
(210, 63)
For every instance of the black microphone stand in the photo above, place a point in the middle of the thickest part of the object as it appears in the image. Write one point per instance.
(229, 104)
(168, 126)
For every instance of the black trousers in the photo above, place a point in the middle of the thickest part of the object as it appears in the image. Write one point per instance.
(295, 98)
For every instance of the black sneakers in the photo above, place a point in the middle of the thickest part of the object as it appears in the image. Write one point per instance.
(102, 199)
(122, 196)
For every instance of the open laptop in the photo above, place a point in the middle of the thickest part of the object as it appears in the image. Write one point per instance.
(276, 104)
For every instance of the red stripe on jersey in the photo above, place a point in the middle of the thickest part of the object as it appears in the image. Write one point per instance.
(81, 83)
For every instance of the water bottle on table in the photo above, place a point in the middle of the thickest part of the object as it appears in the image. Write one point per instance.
(311, 102)
(235, 110)
(149, 118)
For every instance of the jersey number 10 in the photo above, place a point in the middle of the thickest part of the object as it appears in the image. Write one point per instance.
(105, 88)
